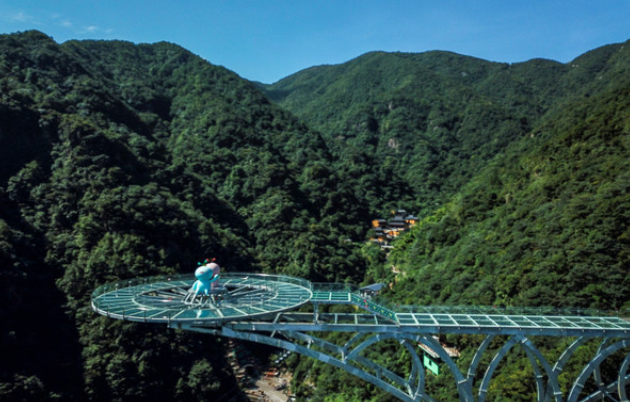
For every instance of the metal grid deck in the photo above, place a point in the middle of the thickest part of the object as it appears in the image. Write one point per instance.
(259, 295)
(160, 299)
(455, 320)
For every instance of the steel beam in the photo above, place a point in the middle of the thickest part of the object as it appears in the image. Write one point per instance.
(270, 321)
(592, 365)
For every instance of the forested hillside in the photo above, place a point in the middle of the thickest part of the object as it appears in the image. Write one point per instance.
(120, 160)
(518, 149)
(419, 126)
(546, 223)
(519, 171)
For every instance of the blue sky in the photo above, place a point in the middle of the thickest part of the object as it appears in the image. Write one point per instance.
(266, 40)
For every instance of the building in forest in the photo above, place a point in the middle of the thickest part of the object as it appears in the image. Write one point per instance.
(384, 231)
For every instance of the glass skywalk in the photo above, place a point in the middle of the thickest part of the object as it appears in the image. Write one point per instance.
(259, 297)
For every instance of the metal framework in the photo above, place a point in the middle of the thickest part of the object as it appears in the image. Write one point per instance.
(260, 308)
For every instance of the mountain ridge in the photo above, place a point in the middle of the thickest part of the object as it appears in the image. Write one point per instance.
(110, 172)
(122, 160)
(467, 91)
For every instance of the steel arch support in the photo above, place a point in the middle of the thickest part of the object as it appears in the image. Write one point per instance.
(621, 380)
(323, 357)
(592, 366)
(552, 377)
(355, 338)
(472, 369)
(483, 388)
(329, 347)
(417, 372)
(597, 396)
(536, 359)
(379, 370)
(562, 361)
(355, 355)
(537, 374)
(349, 358)
(414, 385)
(552, 387)
(370, 341)
(463, 387)
(597, 375)
(258, 338)
(343, 356)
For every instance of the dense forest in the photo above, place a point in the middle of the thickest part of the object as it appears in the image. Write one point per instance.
(120, 160)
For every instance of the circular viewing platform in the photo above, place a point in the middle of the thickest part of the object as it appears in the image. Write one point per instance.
(259, 297)
(161, 299)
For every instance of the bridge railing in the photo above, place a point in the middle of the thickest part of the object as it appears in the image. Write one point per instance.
(384, 306)
(375, 304)
(335, 287)
(269, 279)
(125, 283)
(512, 310)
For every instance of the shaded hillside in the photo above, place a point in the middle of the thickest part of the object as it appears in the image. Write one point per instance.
(121, 161)
(419, 126)
(269, 167)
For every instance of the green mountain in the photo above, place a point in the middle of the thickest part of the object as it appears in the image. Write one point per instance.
(520, 173)
(120, 160)
(422, 125)
(473, 141)
(544, 223)
(510, 131)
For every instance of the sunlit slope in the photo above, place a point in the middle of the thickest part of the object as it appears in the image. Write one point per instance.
(419, 126)
(546, 223)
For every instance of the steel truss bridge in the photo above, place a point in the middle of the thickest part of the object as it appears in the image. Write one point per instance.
(269, 309)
